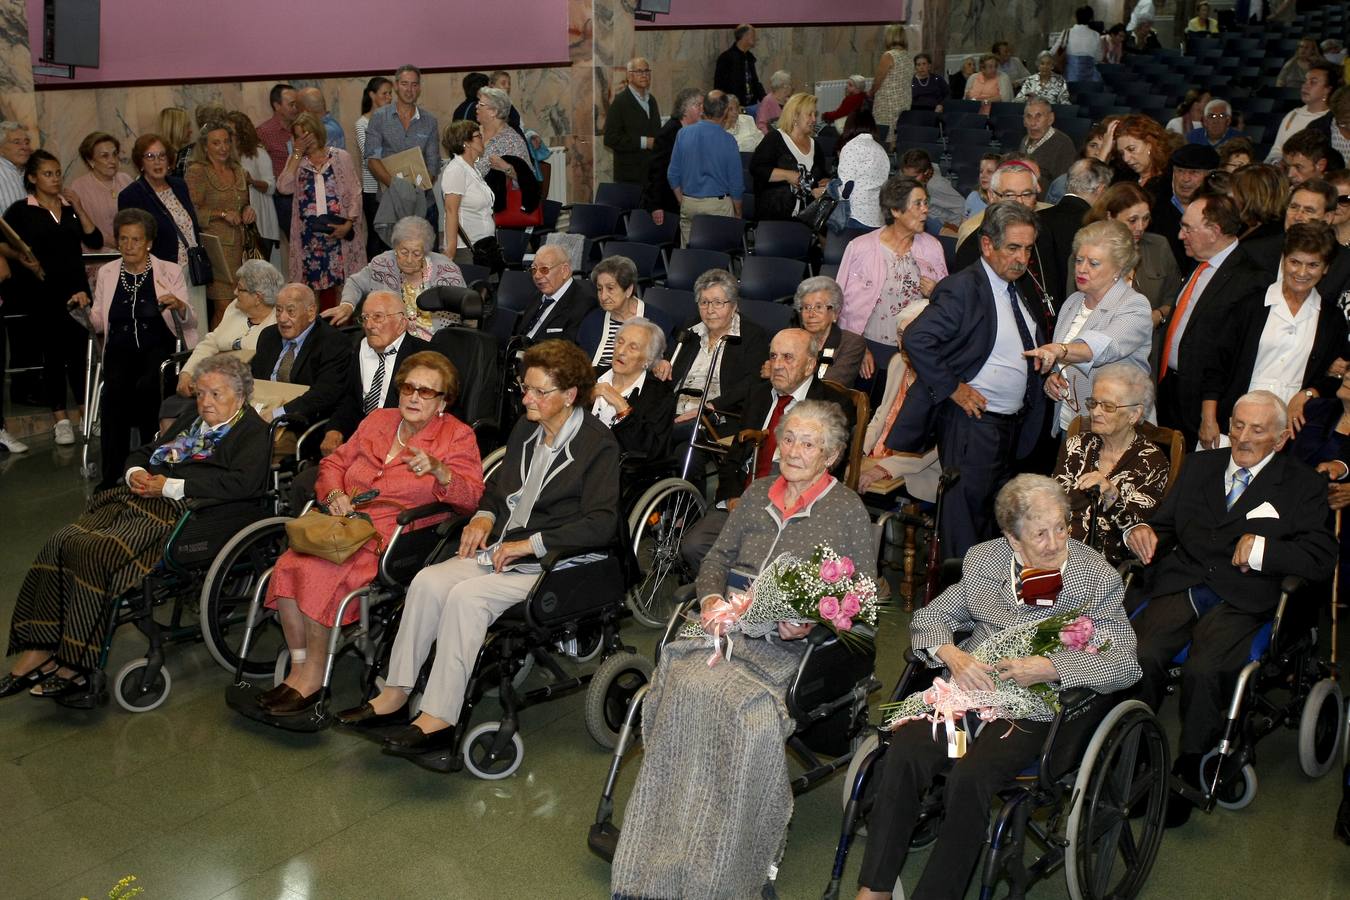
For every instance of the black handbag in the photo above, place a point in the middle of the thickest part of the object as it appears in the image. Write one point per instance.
(487, 252)
(199, 263)
(329, 222)
(817, 214)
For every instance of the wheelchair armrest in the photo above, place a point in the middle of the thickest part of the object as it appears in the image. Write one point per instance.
(818, 635)
(1075, 700)
(553, 558)
(1291, 584)
(452, 524)
(409, 516)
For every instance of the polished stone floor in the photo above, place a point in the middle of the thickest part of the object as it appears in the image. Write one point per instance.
(196, 802)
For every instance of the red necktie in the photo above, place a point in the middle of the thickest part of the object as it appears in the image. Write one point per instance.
(1177, 313)
(764, 462)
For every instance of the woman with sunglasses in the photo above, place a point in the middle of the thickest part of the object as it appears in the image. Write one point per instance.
(1105, 321)
(556, 491)
(1127, 471)
(412, 455)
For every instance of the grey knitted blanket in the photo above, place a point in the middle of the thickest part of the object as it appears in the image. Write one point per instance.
(712, 800)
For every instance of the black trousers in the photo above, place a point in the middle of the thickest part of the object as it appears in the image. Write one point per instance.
(4, 360)
(912, 761)
(131, 399)
(64, 350)
(1220, 646)
(984, 450)
(370, 204)
(1171, 414)
(698, 540)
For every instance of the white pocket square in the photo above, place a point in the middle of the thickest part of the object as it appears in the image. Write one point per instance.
(1264, 511)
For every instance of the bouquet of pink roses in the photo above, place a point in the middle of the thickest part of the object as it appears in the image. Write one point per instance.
(946, 702)
(825, 589)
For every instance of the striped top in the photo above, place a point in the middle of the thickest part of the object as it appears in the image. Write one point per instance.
(368, 183)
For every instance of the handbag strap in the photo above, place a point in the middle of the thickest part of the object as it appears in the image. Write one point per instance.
(168, 215)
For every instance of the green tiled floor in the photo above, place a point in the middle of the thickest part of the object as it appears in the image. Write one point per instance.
(198, 803)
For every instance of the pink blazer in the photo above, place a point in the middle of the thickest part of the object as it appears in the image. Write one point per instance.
(862, 272)
(169, 281)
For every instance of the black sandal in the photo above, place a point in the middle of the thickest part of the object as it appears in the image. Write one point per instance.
(12, 684)
(55, 685)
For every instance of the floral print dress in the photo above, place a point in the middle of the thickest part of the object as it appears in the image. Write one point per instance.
(320, 255)
(901, 288)
(1140, 477)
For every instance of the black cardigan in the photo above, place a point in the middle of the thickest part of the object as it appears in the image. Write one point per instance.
(740, 363)
(651, 417)
(237, 469)
(776, 200)
(57, 248)
(578, 506)
(139, 195)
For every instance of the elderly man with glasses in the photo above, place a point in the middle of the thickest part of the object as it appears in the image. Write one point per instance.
(632, 123)
(1218, 125)
(562, 303)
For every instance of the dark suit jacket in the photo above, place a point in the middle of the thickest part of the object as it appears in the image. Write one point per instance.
(1233, 357)
(740, 364)
(321, 364)
(236, 470)
(948, 344)
(625, 123)
(1059, 223)
(1197, 534)
(730, 76)
(578, 505)
(348, 413)
(1166, 223)
(657, 193)
(645, 431)
(565, 318)
(1212, 309)
(734, 468)
(139, 195)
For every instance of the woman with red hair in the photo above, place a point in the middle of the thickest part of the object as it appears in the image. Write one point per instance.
(1143, 146)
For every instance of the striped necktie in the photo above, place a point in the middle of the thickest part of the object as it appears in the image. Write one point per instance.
(1241, 478)
(372, 400)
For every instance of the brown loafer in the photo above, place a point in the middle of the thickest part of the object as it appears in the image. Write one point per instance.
(365, 717)
(294, 704)
(269, 698)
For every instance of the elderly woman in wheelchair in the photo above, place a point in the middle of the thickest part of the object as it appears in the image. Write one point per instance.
(712, 801)
(60, 623)
(1035, 571)
(411, 456)
(556, 492)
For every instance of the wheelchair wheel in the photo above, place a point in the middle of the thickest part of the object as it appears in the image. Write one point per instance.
(1237, 790)
(659, 520)
(611, 690)
(228, 591)
(1320, 727)
(479, 743)
(1110, 855)
(134, 694)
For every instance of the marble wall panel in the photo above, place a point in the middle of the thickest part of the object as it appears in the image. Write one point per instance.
(16, 65)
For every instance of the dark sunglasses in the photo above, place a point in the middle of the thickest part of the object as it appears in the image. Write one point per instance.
(426, 393)
(1343, 200)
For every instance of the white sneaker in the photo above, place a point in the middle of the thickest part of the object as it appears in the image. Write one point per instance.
(65, 433)
(11, 443)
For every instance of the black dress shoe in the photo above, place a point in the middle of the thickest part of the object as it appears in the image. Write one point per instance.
(364, 717)
(413, 741)
(269, 698)
(12, 684)
(293, 704)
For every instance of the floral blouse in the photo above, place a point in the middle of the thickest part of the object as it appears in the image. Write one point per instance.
(1140, 477)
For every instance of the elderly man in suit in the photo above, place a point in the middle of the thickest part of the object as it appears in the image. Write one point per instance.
(1235, 524)
(975, 392)
(562, 303)
(302, 348)
(632, 123)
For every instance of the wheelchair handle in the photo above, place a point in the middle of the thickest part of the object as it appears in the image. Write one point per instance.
(409, 516)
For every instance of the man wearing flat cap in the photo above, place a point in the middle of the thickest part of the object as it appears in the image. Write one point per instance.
(1190, 164)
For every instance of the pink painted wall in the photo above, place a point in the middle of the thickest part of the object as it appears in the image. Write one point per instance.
(694, 13)
(188, 40)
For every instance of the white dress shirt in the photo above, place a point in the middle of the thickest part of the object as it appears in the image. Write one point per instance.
(1257, 557)
(1286, 343)
(1002, 379)
(370, 362)
(602, 409)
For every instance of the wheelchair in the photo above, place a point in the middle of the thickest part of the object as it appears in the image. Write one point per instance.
(1285, 684)
(827, 700)
(1077, 814)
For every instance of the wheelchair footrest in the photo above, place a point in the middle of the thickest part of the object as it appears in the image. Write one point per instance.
(603, 840)
(242, 697)
(442, 761)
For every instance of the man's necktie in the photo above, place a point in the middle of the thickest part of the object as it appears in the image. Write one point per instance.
(287, 362)
(1241, 478)
(1025, 334)
(1183, 302)
(373, 398)
(764, 461)
(545, 305)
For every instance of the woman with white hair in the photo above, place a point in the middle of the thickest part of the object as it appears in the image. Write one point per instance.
(638, 409)
(771, 107)
(892, 85)
(407, 270)
(818, 301)
(500, 140)
(740, 126)
(855, 94)
(1045, 84)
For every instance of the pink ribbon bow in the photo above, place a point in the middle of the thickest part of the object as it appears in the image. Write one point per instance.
(718, 618)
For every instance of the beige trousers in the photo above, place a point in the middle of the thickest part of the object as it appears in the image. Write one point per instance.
(702, 206)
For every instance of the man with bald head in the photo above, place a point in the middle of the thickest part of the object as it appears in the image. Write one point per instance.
(562, 303)
(632, 123)
(302, 348)
(793, 355)
(311, 100)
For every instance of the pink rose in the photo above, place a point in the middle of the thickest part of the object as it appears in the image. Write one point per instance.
(850, 605)
(843, 623)
(1077, 634)
(830, 571)
(829, 608)
(1091, 649)
(846, 566)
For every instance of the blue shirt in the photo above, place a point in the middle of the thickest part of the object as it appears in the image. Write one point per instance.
(706, 162)
(1003, 377)
(1198, 136)
(385, 136)
(297, 342)
(336, 136)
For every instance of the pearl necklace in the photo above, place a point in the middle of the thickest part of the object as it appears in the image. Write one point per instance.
(132, 284)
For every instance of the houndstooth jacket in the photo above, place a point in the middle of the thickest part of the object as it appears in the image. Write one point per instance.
(984, 601)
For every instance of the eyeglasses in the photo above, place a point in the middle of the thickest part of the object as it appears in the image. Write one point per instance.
(541, 270)
(377, 318)
(1218, 115)
(526, 390)
(817, 307)
(155, 157)
(1343, 200)
(407, 389)
(1107, 406)
(1015, 195)
(713, 304)
(639, 71)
